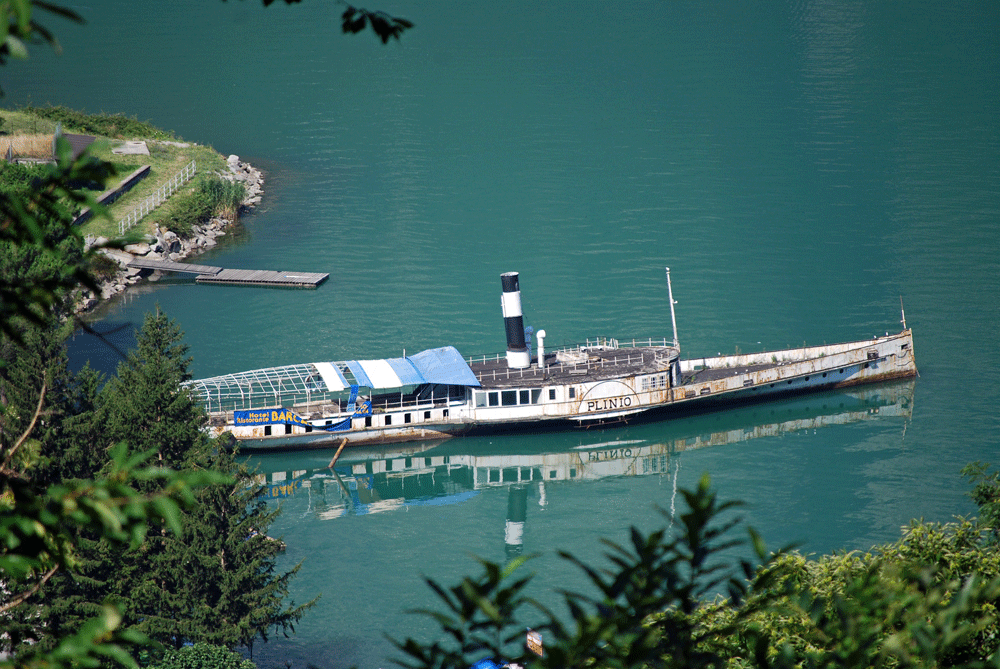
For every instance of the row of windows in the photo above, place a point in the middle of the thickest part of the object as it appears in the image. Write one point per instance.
(387, 420)
(513, 398)
(407, 417)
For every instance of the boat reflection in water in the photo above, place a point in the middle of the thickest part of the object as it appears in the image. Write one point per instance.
(372, 480)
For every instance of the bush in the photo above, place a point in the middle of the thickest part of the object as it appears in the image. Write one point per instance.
(226, 195)
(927, 601)
(202, 656)
(16, 178)
(211, 197)
(106, 125)
(188, 209)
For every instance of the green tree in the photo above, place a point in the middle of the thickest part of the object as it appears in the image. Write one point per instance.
(212, 580)
(144, 404)
(986, 494)
(46, 510)
(929, 600)
(216, 581)
(645, 613)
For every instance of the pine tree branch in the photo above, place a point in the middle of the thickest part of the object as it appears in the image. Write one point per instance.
(5, 467)
(19, 599)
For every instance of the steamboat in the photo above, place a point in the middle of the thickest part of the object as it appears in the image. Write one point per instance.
(438, 393)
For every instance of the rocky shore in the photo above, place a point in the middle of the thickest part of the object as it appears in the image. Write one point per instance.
(166, 245)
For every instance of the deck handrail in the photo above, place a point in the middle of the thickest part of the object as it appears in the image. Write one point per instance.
(599, 343)
(607, 342)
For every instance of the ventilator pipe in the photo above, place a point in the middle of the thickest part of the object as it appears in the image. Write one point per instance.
(513, 322)
(540, 336)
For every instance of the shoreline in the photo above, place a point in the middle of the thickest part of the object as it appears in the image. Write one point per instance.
(167, 245)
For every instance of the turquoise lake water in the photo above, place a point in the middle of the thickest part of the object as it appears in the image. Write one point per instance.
(800, 166)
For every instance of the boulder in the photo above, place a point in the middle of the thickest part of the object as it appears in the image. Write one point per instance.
(123, 258)
(140, 249)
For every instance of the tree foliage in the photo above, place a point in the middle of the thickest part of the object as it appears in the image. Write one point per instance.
(986, 494)
(207, 576)
(927, 600)
(46, 529)
(201, 656)
(42, 253)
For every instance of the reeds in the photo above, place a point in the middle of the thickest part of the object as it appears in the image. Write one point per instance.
(226, 196)
(35, 147)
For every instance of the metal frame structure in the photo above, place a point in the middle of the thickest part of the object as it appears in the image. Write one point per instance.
(267, 387)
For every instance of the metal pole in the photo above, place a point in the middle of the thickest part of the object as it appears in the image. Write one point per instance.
(673, 317)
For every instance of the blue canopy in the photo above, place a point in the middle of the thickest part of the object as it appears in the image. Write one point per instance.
(443, 365)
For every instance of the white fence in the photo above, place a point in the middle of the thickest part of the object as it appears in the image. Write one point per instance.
(157, 198)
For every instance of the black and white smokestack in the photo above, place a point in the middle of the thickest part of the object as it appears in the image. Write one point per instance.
(517, 352)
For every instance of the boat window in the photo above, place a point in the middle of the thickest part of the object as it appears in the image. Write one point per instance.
(407, 417)
(536, 395)
(494, 399)
(552, 394)
(572, 392)
(388, 419)
(508, 398)
(481, 399)
(524, 397)
(653, 382)
(427, 415)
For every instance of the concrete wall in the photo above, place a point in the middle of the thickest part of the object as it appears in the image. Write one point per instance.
(109, 196)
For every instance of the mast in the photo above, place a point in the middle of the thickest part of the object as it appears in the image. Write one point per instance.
(673, 317)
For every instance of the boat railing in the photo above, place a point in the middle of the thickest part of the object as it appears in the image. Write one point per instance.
(582, 364)
(597, 343)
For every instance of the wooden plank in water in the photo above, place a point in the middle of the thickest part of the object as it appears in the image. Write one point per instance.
(259, 277)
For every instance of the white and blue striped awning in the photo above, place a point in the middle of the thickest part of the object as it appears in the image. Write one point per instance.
(443, 365)
(309, 381)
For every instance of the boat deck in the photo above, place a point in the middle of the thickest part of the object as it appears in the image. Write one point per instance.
(714, 373)
(594, 363)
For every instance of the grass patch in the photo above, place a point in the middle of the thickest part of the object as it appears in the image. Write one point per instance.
(17, 122)
(181, 210)
(116, 126)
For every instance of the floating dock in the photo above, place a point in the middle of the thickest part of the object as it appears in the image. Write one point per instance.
(263, 277)
(235, 277)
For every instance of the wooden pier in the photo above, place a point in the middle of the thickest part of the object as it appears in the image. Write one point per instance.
(235, 277)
